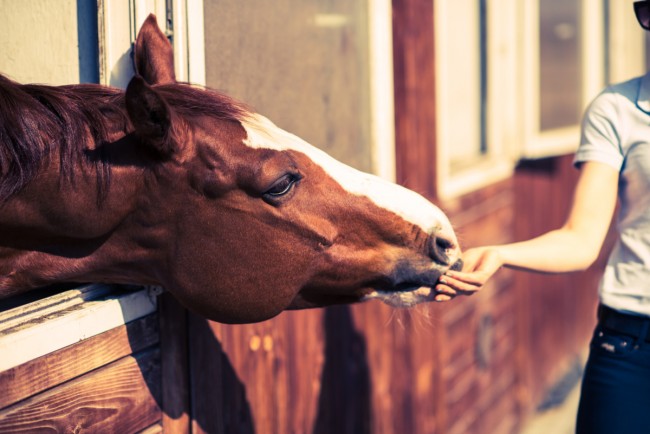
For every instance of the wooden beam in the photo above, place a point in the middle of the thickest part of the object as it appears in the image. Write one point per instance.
(119, 398)
(45, 372)
(39, 328)
(415, 105)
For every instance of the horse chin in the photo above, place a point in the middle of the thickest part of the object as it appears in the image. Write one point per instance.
(302, 301)
(404, 298)
(411, 291)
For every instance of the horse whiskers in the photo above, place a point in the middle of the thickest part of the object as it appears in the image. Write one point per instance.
(424, 321)
(416, 321)
(392, 316)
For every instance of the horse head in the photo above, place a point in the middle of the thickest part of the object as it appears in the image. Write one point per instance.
(241, 220)
(264, 221)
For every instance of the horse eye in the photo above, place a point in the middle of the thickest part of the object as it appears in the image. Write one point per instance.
(282, 186)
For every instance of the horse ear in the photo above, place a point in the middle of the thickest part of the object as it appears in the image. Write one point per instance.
(151, 117)
(153, 55)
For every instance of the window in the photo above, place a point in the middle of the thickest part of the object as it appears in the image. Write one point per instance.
(512, 81)
(321, 70)
(560, 64)
(118, 26)
(563, 69)
(475, 49)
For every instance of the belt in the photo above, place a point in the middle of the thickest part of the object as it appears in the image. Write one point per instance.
(631, 325)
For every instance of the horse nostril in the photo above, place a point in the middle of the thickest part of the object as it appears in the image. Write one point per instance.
(438, 250)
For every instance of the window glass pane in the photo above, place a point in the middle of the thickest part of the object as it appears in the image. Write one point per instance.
(560, 63)
(459, 71)
(301, 63)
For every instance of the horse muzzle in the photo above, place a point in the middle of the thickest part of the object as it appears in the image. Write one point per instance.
(411, 284)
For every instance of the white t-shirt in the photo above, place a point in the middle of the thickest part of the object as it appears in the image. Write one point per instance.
(616, 131)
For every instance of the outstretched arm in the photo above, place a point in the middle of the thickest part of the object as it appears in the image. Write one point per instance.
(574, 246)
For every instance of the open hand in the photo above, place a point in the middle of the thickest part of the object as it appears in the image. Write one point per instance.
(479, 265)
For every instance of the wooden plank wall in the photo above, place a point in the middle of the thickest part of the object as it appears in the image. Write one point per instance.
(481, 373)
(561, 309)
(347, 369)
(108, 383)
(119, 363)
(475, 365)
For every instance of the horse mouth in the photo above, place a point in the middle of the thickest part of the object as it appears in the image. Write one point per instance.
(411, 292)
(407, 287)
(404, 298)
(408, 278)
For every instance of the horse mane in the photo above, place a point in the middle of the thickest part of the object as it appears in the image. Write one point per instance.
(190, 100)
(36, 120)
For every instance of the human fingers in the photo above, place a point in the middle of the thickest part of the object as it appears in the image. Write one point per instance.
(443, 288)
(466, 283)
(475, 278)
(448, 288)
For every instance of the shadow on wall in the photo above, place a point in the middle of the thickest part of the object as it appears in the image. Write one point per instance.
(230, 411)
(216, 397)
(344, 404)
(198, 389)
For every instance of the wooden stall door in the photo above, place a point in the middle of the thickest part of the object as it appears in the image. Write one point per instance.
(346, 370)
(86, 359)
(259, 378)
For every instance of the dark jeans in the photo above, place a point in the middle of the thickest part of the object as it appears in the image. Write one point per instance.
(615, 397)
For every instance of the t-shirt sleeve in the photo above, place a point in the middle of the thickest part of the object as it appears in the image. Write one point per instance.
(600, 137)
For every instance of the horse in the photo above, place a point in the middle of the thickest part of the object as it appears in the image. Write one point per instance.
(176, 185)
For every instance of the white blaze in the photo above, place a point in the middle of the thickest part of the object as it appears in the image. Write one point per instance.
(262, 133)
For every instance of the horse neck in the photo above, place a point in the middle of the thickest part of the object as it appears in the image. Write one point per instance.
(57, 229)
(76, 241)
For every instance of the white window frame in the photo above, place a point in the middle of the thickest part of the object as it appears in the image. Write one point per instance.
(452, 116)
(119, 22)
(382, 115)
(513, 99)
(541, 144)
(50, 324)
(189, 55)
(382, 100)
